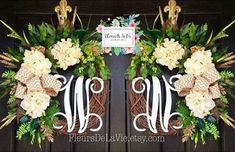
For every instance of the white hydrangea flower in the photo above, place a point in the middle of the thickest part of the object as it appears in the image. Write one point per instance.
(199, 63)
(36, 62)
(169, 53)
(35, 103)
(200, 103)
(66, 53)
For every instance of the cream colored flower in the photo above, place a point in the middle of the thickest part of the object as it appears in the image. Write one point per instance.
(169, 53)
(200, 103)
(35, 103)
(36, 62)
(199, 62)
(66, 53)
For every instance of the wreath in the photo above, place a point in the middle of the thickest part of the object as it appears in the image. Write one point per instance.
(206, 82)
(29, 80)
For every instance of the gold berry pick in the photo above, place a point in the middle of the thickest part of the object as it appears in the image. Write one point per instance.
(62, 10)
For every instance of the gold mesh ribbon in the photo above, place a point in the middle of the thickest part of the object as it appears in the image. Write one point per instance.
(30, 82)
(206, 82)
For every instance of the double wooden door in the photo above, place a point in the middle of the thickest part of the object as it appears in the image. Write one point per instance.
(117, 119)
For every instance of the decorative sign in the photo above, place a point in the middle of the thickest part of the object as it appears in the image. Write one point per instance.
(156, 104)
(118, 37)
(78, 103)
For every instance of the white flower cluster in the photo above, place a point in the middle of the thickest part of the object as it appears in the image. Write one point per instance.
(66, 53)
(200, 103)
(169, 53)
(199, 63)
(35, 103)
(36, 62)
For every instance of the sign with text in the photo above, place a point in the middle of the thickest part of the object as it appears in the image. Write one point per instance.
(118, 37)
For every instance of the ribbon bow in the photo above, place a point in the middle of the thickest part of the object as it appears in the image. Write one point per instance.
(205, 82)
(30, 82)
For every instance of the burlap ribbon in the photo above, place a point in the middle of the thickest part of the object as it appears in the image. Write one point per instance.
(30, 82)
(205, 82)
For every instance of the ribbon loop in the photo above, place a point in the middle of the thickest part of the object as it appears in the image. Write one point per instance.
(20, 91)
(184, 84)
(34, 84)
(201, 84)
(215, 91)
(30, 82)
(212, 75)
(23, 75)
(205, 82)
(51, 85)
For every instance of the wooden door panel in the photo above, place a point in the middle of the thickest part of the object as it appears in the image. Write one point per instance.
(62, 144)
(118, 113)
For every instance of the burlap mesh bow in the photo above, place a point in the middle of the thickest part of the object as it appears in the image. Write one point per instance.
(30, 82)
(205, 82)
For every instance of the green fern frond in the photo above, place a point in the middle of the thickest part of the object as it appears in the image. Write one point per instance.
(26, 129)
(22, 130)
(212, 129)
(224, 99)
(11, 99)
(226, 74)
(9, 74)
